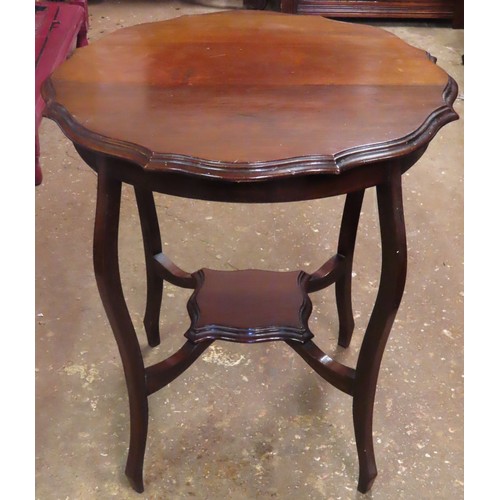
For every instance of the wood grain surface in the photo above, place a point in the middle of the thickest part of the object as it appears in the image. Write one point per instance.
(225, 93)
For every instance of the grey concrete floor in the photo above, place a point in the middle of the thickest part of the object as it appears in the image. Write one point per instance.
(244, 421)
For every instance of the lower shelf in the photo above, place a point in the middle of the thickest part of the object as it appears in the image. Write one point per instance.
(249, 306)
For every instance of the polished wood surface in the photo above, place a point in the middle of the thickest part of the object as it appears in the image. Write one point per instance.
(249, 306)
(244, 94)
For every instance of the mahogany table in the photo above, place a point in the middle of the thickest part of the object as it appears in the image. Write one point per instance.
(251, 107)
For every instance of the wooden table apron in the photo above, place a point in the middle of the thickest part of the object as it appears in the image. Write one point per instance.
(305, 175)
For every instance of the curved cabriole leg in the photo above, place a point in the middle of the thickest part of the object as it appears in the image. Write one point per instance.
(347, 240)
(392, 282)
(108, 281)
(152, 246)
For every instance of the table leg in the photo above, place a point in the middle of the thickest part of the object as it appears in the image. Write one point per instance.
(152, 246)
(347, 240)
(392, 282)
(109, 284)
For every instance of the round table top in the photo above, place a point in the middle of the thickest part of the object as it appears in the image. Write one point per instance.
(245, 95)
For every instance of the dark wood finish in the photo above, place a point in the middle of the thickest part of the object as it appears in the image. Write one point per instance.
(152, 246)
(458, 15)
(392, 282)
(347, 241)
(327, 274)
(162, 373)
(387, 9)
(110, 289)
(340, 376)
(294, 187)
(249, 306)
(300, 91)
(193, 107)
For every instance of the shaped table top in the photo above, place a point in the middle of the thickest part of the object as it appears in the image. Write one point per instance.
(245, 95)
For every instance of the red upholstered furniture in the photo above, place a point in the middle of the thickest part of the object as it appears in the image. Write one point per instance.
(60, 26)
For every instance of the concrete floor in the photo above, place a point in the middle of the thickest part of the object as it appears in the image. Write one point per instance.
(248, 422)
